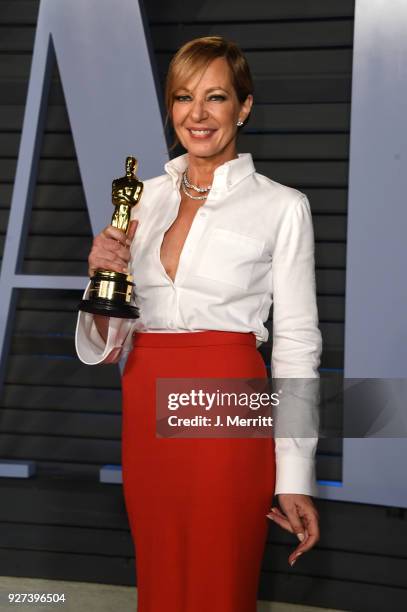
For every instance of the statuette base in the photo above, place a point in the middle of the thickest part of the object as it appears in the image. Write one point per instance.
(110, 295)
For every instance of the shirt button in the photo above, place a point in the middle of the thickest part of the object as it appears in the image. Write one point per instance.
(203, 213)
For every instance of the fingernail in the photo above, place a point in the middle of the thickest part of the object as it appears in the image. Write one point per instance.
(270, 516)
(295, 558)
(300, 536)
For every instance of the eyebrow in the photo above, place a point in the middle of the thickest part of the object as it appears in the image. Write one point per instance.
(206, 91)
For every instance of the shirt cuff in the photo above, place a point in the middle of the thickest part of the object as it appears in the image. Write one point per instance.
(90, 346)
(296, 473)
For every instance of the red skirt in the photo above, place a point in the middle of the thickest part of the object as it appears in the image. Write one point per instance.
(196, 506)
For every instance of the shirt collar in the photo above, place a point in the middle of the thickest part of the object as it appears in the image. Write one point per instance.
(225, 176)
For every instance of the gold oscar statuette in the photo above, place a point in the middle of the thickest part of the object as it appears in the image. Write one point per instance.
(111, 293)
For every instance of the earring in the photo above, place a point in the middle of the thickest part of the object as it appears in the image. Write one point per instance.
(239, 123)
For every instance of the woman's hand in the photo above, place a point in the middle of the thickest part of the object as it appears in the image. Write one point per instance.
(301, 517)
(111, 249)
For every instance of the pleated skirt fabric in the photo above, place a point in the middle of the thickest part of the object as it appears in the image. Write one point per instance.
(196, 506)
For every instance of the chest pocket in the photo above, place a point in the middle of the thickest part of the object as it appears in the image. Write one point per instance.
(229, 257)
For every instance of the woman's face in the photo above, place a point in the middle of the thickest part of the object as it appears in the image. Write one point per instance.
(206, 110)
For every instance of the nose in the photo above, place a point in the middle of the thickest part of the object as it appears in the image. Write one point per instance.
(198, 110)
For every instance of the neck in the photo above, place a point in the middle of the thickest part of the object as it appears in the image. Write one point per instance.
(202, 169)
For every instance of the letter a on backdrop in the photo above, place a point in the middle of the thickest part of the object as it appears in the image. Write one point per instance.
(102, 53)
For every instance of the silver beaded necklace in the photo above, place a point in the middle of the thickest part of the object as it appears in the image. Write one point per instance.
(191, 185)
(186, 184)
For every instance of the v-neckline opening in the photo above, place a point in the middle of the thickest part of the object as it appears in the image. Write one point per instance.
(162, 235)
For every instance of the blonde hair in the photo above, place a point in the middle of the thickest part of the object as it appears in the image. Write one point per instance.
(195, 56)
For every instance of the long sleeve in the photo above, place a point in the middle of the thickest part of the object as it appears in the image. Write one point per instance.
(297, 346)
(91, 348)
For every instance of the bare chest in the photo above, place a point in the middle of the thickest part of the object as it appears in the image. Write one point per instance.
(175, 237)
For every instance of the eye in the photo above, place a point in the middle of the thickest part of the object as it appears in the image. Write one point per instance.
(182, 98)
(217, 97)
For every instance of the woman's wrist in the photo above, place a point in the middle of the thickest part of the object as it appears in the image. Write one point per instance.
(102, 325)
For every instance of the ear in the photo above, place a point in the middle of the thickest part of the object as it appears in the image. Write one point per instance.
(246, 108)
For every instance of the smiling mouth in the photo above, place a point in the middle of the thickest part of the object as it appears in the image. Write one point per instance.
(200, 133)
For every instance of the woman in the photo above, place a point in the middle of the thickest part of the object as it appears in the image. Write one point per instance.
(215, 243)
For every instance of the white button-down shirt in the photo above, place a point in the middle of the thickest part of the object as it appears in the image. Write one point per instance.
(250, 245)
